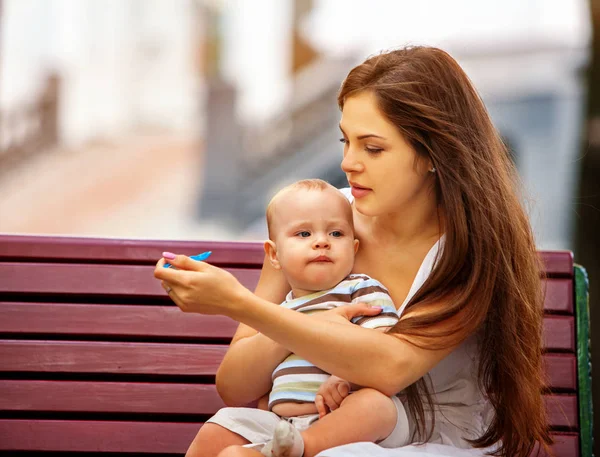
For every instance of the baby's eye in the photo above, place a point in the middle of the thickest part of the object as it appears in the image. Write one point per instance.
(336, 234)
(303, 234)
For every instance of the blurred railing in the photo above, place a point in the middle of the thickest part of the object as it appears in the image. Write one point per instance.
(244, 162)
(313, 106)
(30, 128)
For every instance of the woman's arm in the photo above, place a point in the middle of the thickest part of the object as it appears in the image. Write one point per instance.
(245, 372)
(383, 361)
(386, 362)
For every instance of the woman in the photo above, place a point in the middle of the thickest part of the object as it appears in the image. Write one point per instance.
(440, 224)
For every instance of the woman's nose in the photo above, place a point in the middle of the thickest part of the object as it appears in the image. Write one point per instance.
(350, 163)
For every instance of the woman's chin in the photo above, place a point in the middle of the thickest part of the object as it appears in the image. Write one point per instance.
(365, 209)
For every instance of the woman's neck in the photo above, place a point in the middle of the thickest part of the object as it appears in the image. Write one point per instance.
(406, 227)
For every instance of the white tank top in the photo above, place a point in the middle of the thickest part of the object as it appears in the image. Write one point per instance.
(462, 410)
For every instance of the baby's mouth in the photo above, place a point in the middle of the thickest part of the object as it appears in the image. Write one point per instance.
(321, 259)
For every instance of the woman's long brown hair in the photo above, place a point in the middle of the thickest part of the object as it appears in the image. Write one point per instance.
(488, 276)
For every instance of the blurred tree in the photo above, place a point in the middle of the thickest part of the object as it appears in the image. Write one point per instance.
(587, 234)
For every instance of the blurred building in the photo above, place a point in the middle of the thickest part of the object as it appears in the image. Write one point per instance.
(180, 118)
(100, 104)
(122, 64)
(270, 122)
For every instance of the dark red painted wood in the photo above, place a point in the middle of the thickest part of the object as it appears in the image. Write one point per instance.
(166, 359)
(104, 280)
(79, 267)
(565, 445)
(110, 357)
(168, 321)
(96, 436)
(109, 397)
(169, 398)
(121, 250)
(559, 333)
(561, 371)
(117, 250)
(558, 295)
(558, 262)
(562, 410)
(149, 437)
(111, 320)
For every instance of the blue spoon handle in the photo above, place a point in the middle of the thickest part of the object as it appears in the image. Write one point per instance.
(199, 257)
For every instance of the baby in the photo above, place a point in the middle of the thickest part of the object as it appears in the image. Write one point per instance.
(311, 240)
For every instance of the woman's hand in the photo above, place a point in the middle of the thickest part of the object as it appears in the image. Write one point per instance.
(331, 394)
(197, 287)
(344, 314)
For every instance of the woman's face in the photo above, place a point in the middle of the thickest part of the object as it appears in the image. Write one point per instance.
(379, 163)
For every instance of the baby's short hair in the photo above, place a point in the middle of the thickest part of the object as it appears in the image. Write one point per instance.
(303, 184)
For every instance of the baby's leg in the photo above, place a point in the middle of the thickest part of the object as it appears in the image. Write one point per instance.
(212, 439)
(233, 426)
(365, 415)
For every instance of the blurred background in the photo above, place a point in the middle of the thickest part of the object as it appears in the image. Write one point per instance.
(178, 119)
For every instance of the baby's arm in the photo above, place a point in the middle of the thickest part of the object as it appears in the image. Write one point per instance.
(374, 293)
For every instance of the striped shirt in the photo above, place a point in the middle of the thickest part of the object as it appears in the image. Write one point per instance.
(297, 380)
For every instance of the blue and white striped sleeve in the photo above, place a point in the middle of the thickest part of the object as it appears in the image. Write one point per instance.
(374, 293)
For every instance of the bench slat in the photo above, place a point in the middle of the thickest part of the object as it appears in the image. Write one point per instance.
(149, 437)
(110, 357)
(168, 321)
(167, 359)
(559, 333)
(167, 398)
(565, 445)
(559, 295)
(91, 279)
(96, 436)
(138, 281)
(111, 320)
(562, 410)
(110, 397)
(120, 250)
(558, 262)
(561, 371)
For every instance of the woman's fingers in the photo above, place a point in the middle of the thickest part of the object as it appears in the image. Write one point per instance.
(197, 287)
(173, 295)
(179, 264)
(183, 262)
(360, 309)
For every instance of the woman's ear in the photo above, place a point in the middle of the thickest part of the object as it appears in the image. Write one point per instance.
(356, 243)
(271, 251)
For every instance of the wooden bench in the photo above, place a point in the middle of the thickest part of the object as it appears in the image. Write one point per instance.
(95, 358)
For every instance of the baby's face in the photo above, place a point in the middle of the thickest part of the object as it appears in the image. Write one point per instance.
(314, 239)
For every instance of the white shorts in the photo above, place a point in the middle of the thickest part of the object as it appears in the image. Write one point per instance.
(258, 426)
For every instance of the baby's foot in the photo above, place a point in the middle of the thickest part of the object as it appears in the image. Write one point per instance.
(287, 442)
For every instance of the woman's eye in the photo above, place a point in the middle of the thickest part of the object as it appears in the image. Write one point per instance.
(337, 234)
(303, 234)
(372, 150)
(343, 140)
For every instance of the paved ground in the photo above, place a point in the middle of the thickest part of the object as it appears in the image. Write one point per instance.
(140, 187)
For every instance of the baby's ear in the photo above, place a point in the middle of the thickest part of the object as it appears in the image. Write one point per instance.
(271, 251)
(356, 243)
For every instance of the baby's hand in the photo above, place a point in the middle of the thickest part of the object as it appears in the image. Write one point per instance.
(331, 394)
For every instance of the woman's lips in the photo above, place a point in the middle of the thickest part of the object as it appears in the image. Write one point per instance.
(359, 192)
